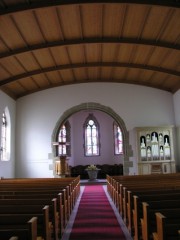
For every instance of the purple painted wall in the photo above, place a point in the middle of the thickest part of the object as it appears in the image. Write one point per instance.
(106, 139)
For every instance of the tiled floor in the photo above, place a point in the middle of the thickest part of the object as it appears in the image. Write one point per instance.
(73, 215)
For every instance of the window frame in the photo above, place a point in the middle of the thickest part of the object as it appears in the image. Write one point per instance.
(3, 147)
(89, 126)
(116, 130)
(64, 146)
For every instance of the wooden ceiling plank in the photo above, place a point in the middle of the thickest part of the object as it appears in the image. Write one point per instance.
(171, 33)
(144, 21)
(172, 60)
(80, 19)
(60, 24)
(9, 34)
(124, 14)
(8, 91)
(110, 52)
(157, 57)
(87, 41)
(89, 65)
(83, 43)
(4, 72)
(70, 61)
(6, 69)
(92, 20)
(60, 55)
(80, 74)
(49, 24)
(70, 21)
(54, 78)
(16, 89)
(18, 30)
(162, 81)
(60, 77)
(39, 26)
(85, 60)
(40, 68)
(28, 27)
(165, 23)
(133, 53)
(41, 81)
(171, 82)
(112, 15)
(8, 49)
(67, 76)
(134, 19)
(29, 84)
(150, 53)
(40, 4)
(13, 66)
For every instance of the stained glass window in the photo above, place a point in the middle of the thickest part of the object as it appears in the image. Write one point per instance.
(91, 129)
(3, 138)
(118, 141)
(64, 140)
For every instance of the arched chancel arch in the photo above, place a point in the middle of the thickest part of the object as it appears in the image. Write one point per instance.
(96, 106)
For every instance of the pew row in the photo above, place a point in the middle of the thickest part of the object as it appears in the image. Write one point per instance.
(123, 188)
(148, 222)
(19, 192)
(24, 230)
(166, 228)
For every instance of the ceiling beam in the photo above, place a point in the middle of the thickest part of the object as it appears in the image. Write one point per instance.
(49, 3)
(90, 41)
(88, 65)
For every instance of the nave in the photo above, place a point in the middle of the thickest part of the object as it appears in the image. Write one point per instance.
(114, 227)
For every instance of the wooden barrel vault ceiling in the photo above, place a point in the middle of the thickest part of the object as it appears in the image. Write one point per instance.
(44, 44)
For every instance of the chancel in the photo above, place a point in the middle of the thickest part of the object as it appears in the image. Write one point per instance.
(89, 83)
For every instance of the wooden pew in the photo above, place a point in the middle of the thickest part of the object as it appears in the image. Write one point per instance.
(112, 180)
(72, 190)
(167, 228)
(46, 194)
(26, 230)
(148, 222)
(134, 205)
(31, 188)
(116, 185)
(33, 210)
(137, 208)
(55, 208)
(143, 187)
(118, 188)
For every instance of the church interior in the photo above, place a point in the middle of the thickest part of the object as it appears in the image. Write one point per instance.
(90, 86)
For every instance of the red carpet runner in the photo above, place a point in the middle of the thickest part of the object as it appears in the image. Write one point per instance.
(95, 219)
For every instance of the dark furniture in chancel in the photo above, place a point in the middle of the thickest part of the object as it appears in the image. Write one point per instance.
(112, 170)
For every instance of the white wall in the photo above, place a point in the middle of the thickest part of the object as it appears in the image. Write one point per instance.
(7, 169)
(176, 99)
(38, 113)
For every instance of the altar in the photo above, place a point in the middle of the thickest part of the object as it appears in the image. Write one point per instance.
(92, 174)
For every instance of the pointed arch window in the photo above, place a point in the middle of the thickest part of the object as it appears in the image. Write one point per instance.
(118, 141)
(91, 132)
(4, 138)
(64, 140)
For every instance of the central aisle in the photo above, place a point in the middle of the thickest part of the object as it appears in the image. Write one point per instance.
(96, 219)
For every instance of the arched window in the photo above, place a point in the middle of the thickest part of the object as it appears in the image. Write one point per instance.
(64, 140)
(4, 138)
(118, 141)
(91, 136)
